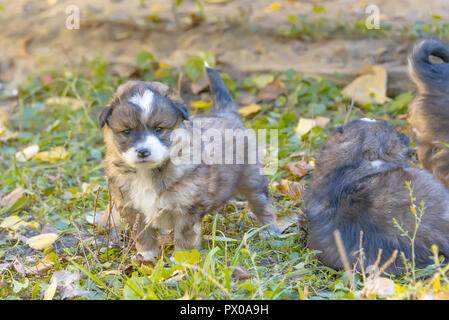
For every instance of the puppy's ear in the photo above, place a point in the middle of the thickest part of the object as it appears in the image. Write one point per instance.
(182, 110)
(104, 115)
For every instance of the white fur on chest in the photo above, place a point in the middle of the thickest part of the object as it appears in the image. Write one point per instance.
(159, 208)
(143, 197)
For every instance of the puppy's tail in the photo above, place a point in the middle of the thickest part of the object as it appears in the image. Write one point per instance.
(223, 101)
(430, 77)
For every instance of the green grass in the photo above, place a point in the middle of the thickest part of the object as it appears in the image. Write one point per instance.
(275, 268)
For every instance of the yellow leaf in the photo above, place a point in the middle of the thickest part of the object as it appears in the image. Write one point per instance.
(54, 155)
(51, 290)
(13, 223)
(202, 104)
(273, 7)
(74, 103)
(370, 87)
(248, 110)
(42, 241)
(155, 8)
(2, 129)
(160, 71)
(304, 126)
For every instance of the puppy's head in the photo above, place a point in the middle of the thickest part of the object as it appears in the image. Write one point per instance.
(364, 140)
(138, 122)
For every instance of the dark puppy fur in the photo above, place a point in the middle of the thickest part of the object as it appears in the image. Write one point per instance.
(360, 185)
(429, 111)
(150, 191)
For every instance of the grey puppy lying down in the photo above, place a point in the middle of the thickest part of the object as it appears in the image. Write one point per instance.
(150, 191)
(360, 179)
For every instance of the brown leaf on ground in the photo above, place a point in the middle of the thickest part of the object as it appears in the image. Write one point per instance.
(290, 188)
(240, 273)
(12, 197)
(271, 91)
(40, 269)
(298, 168)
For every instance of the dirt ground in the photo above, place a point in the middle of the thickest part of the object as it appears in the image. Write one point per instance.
(242, 34)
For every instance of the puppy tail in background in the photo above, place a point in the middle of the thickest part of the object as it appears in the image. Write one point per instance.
(223, 101)
(428, 76)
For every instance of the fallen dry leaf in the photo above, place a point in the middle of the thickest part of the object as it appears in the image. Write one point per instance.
(201, 104)
(240, 273)
(13, 223)
(27, 153)
(275, 6)
(51, 290)
(54, 155)
(160, 70)
(42, 241)
(287, 220)
(290, 188)
(379, 286)
(249, 110)
(74, 103)
(12, 197)
(65, 282)
(304, 126)
(370, 87)
(322, 121)
(271, 91)
(298, 168)
(41, 268)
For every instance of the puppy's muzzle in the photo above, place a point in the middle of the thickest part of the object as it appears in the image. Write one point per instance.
(143, 153)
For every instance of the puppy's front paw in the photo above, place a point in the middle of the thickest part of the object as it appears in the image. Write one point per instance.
(147, 256)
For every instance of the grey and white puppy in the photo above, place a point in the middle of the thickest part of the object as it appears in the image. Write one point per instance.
(361, 172)
(152, 192)
(429, 110)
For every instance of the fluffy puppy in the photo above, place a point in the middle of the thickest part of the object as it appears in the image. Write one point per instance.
(360, 185)
(429, 110)
(151, 191)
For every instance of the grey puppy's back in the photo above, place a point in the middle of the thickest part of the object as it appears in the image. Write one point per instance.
(360, 186)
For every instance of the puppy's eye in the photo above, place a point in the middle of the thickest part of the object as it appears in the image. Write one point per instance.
(126, 132)
(158, 130)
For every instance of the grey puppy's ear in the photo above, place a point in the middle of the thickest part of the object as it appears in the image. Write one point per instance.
(183, 110)
(105, 112)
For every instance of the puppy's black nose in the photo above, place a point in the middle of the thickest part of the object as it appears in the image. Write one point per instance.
(143, 153)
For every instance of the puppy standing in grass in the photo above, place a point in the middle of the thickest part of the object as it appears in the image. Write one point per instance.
(429, 111)
(360, 185)
(150, 191)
